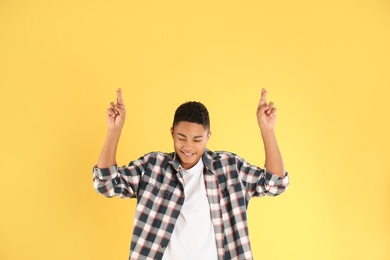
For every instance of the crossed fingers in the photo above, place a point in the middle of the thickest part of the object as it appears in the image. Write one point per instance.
(119, 107)
(268, 109)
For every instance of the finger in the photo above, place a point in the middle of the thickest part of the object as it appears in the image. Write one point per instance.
(270, 107)
(113, 108)
(110, 112)
(273, 112)
(119, 98)
(263, 99)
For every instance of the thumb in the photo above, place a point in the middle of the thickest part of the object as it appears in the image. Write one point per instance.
(261, 110)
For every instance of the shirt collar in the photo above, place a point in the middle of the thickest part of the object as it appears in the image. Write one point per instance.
(208, 158)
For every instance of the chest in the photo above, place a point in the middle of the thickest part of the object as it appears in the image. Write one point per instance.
(173, 188)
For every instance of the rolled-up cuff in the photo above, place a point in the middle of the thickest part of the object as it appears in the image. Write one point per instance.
(105, 173)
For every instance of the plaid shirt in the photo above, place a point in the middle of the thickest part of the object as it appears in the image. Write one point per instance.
(156, 181)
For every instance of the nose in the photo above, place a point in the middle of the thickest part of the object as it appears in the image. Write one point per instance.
(187, 147)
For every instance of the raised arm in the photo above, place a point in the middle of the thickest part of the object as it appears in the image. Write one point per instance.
(115, 116)
(266, 118)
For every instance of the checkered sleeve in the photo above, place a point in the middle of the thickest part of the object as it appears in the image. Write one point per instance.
(119, 181)
(260, 182)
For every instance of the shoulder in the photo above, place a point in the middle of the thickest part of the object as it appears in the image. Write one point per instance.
(159, 155)
(223, 156)
(156, 157)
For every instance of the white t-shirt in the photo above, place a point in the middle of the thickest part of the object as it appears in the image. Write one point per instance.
(193, 237)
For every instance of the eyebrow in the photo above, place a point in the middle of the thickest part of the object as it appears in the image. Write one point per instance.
(183, 135)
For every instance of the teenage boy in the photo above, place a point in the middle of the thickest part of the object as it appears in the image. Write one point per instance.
(191, 204)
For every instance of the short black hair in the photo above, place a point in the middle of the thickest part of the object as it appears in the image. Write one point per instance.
(193, 112)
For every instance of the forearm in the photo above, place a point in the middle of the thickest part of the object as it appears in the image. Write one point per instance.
(273, 156)
(108, 154)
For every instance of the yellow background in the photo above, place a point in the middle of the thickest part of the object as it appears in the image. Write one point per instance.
(326, 65)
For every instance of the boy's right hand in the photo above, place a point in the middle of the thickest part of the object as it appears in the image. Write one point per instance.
(116, 113)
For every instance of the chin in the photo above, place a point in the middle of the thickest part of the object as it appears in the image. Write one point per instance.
(186, 161)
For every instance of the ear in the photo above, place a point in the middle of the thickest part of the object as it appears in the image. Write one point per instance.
(209, 135)
(172, 132)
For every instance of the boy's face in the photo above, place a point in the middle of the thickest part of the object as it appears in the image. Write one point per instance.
(189, 140)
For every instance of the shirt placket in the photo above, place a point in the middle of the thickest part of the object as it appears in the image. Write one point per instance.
(212, 191)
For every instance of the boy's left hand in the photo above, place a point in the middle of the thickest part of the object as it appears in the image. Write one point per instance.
(266, 113)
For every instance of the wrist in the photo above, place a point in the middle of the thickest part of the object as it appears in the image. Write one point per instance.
(268, 136)
(267, 131)
(114, 132)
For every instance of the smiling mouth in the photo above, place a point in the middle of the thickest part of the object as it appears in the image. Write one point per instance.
(188, 154)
